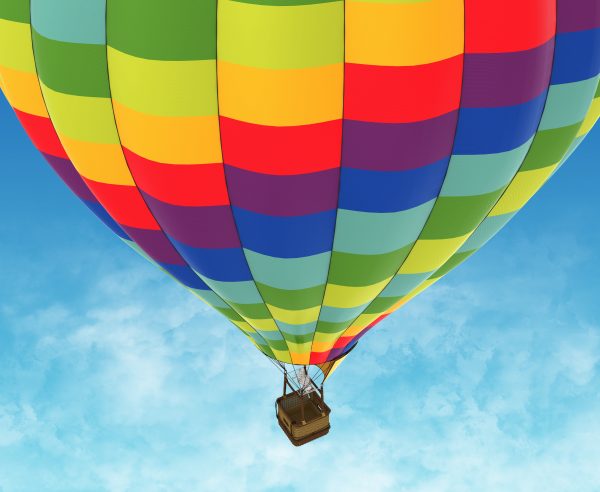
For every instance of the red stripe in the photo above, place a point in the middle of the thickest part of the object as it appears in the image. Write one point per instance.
(342, 342)
(508, 25)
(281, 150)
(42, 134)
(402, 94)
(318, 357)
(124, 204)
(199, 185)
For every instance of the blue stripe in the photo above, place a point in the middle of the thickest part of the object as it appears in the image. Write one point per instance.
(186, 276)
(576, 56)
(226, 264)
(390, 191)
(107, 219)
(495, 130)
(285, 237)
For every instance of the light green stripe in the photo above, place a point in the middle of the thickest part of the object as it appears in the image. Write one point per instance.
(163, 88)
(281, 38)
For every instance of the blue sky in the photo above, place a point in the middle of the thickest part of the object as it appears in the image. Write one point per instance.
(114, 378)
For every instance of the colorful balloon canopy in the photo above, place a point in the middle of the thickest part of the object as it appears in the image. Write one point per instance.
(304, 166)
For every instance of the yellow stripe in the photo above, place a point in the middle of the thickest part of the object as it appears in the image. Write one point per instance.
(591, 118)
(301, 358)
(281, 355)
(428, 255)
(172, 140)
(361, 323)
(15, 42)
(342, 296)
(89, 119)
(336, 364)
(323, 337)
(242, 325)
(523, 187)
(402, 34)
(266, 324)
(299, 348)
(268, 36)
(163, 88)
(280, 97)
(99, 162)
(318, 346)
(295, 317)
(22, 89)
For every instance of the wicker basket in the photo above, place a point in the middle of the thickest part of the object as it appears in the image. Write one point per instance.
(303, 418)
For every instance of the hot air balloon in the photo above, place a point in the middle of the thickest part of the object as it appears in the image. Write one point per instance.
(305, 167)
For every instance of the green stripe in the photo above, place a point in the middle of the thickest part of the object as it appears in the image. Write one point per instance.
(229, 313)
(381, 304)
(549, 147)
(252, 311)
(298, 338)
(329, 327)
(453, 262)
(163, 30)
(361, 270)
(292, 299)
(72, 68)
(455, 216)
(280, 345)
(15, 10)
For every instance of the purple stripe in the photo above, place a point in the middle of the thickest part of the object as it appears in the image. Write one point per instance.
(506, 79)
(67, 172)
(336, 352)
(198, 227)
(155, 244)
(578, 15)
(287, 195)
(397, 146)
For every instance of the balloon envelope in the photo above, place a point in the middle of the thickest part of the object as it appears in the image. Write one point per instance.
(304, 166)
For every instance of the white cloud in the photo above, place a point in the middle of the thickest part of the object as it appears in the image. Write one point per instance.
(485, 383)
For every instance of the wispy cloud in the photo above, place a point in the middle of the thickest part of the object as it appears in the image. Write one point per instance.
(113, 378)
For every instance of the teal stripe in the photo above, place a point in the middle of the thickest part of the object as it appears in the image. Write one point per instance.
(486, 230)
(211, 298)
(288, 273)
(403, 283)
(377, 233)
(305, 329)
(73, 21)
(480, 174)
(237, 292)
(338, 315)
(568, 104)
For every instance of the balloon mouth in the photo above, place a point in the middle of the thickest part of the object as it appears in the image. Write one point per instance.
(318, 372)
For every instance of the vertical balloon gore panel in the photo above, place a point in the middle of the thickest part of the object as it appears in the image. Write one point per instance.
(304, 167)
